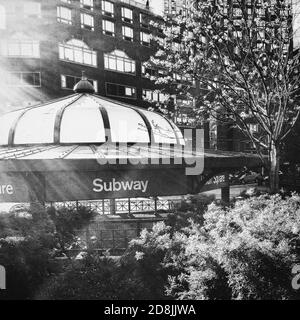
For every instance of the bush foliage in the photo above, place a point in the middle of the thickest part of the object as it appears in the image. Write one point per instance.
(205, 251)
(243, 252)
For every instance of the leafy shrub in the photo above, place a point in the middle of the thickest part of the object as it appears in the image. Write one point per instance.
(192, 208)
(25, 251)
(28, 246)
(67, 221)
(95, 278)
(245, 252)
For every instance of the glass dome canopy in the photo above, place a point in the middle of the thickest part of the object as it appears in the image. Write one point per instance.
(85, 118)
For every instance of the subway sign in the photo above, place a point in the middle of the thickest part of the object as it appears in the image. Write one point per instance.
(14, 188)
(62, 186)
(93, 185)
(217, 182)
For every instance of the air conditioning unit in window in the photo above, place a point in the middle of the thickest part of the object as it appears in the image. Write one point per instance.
(87, 7)
(88, 27)
(145, 25)
(128, 20)
(106, 13)
(108, 33)
(127, 38)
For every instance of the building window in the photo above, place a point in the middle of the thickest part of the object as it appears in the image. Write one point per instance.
(87, 21)
(32, 9)
(145, 38)
(154, 96)
(253, 127)
(126, 15)
(108, 28)
(144, 20)
(182, 102)
(64, 15)
(148, 71)
(119, 61)
(68, 82)
(24, 79)
(2, 18)
(78, 52)
(107, 8)
(66, 1)
(118, 90)
(20, 46)
(127, 33)
(87, 4)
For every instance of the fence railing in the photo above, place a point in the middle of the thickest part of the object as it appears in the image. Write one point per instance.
(110, 235)
(122, 206)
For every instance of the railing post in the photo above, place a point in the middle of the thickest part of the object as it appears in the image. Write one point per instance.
(129, 207)
(155, 206)
(225, 191)
(88, 238)
(112, 206)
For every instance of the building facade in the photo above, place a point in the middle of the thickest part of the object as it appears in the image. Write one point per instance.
(46, 45)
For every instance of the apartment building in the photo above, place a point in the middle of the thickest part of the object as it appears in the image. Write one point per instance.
(45, 46)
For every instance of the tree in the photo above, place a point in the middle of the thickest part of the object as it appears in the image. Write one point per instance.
(244, 252)
(242, 56)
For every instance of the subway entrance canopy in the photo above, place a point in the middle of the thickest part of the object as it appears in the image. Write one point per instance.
(86, 147)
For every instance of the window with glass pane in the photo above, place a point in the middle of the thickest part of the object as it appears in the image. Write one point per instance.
(68, 82)
(32, 9)
(119, 61)
(108, 27)
(107, 8)
(37, 125)
(145, 39)
(126, 15)
(162, 130)
(78, 52)
(87, 4)
(20, 48)
(82, 127)
(144, 20)
(87, 21)
(6, 122)
(118, 90)
(24, 79)
(148, 71)
(64, 15)
(155, 95)
(126, 125)
(127, 33)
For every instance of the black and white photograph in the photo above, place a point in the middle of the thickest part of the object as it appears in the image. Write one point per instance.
(150, 151)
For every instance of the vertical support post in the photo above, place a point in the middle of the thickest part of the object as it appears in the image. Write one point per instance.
(103, 207)
(129, 207)
(225, 194)
(112, 206)
(155, 206)
(88, 238)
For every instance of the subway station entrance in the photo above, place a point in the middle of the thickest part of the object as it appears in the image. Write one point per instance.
(85, 147)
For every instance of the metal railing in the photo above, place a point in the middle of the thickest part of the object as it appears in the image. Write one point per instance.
(110, 235)
(122, 206)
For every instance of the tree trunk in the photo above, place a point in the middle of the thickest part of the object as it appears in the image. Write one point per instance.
(274, 167)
